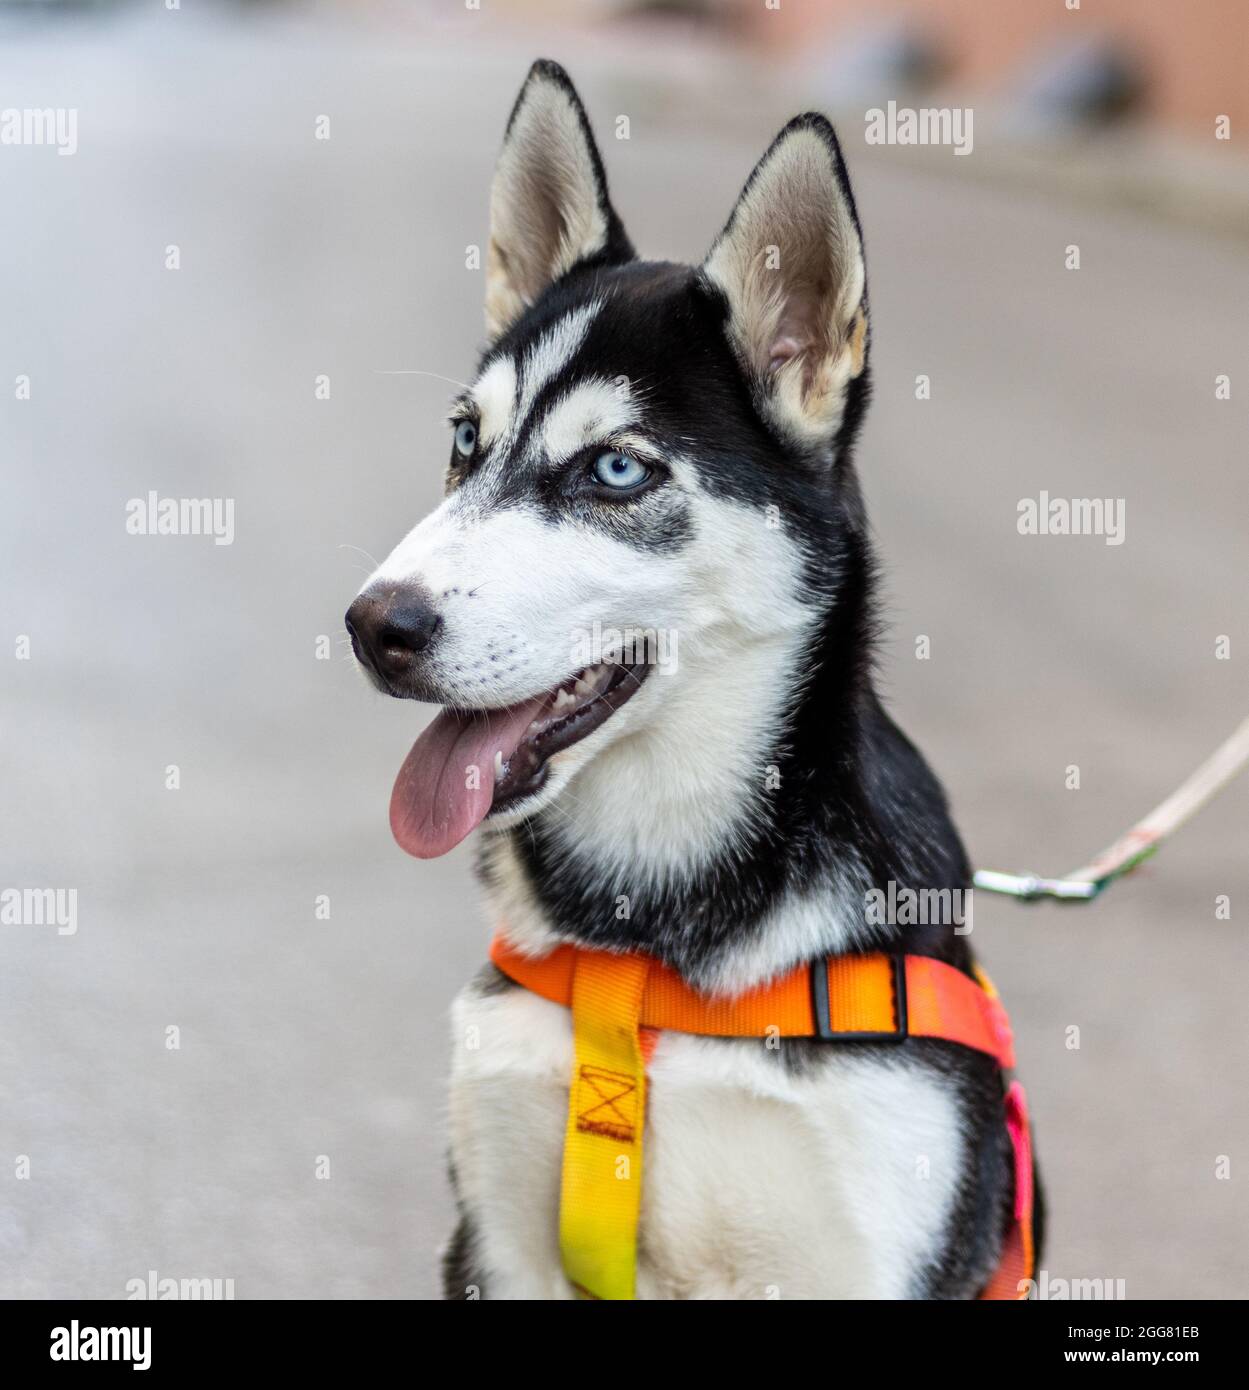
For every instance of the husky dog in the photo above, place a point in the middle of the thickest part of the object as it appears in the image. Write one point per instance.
(665, 450)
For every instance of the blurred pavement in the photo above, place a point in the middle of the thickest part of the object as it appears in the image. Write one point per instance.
(303, 1037)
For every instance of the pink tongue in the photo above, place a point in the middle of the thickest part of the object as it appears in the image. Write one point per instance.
(438, 797)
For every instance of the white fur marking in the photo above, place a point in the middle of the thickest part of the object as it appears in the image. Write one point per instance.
(495, 394)
(552, 353)
(587, 414)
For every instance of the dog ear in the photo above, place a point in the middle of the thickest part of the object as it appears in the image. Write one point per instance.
(549, 208)
(790, 264)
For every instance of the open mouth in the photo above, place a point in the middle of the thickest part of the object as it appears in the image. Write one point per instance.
(471, 763)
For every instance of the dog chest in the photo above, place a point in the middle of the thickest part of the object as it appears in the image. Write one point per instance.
(821, 1175)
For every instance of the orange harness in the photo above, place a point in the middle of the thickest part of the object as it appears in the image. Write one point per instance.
(619, 1001)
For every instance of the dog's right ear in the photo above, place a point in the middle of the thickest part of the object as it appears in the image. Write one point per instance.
(549, 208)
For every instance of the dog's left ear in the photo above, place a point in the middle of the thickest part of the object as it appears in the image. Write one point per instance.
(549, 208)
(790, 264)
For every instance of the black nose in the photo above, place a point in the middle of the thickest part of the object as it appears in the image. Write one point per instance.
(391, 627)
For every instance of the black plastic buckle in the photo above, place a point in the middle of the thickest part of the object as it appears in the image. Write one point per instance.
(823, 1018)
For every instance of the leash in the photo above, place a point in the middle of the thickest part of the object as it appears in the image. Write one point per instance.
(621, 1002)
(1136, 845)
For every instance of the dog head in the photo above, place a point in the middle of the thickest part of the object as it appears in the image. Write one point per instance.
(643, 508)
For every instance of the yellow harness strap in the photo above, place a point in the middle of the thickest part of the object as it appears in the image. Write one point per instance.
(602, 1179)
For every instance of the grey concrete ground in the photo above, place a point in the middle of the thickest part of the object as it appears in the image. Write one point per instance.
(303, 1037)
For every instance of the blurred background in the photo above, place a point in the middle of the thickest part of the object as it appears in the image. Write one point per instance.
(293, 1140)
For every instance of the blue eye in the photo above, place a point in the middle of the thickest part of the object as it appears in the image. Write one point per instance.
(621, 471)
(465, 438)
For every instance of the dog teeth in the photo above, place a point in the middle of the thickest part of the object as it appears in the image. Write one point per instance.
(577, 689)
(498, 763)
